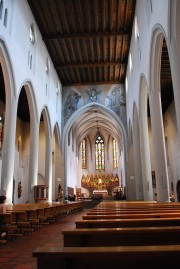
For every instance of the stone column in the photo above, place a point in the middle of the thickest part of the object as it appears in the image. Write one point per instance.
(9, 150)
(33, 159)
(175, 71)
(48, 164)
(145, 159)
(137, 164)
(162, 183)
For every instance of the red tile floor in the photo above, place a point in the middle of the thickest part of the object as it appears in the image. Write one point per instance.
(18, 254)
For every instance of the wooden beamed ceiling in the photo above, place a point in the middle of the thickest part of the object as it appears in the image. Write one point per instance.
(88, 40)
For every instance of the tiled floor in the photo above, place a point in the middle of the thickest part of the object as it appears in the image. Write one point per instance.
(18, 254)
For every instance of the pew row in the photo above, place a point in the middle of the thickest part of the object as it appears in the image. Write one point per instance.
(129, 257)
(8, 228)
(131, 211)
(123, 223)
(131, 216)
(121, 236)
(23, 219)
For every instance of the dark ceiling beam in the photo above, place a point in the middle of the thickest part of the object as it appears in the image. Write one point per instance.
(72, 65)
(94, 83)
(85, 35)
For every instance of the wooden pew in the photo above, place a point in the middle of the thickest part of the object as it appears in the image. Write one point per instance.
(121, 236)
(131, 216)
(8, 227)
(123, 223)
(129, 257)
(131, 211)
(19, 218)
(138, 206)
(41, 214)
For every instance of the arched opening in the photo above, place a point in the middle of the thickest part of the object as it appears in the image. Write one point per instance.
(169, 117)
(90, 121)
(22, 148)
(2, 115)
(160, 93)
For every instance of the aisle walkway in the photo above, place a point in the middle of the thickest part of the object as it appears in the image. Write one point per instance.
(18, 254)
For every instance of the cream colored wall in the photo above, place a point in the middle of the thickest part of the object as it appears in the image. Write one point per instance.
(21, 164)
(16, 47)
(173, 148)
(41, 149)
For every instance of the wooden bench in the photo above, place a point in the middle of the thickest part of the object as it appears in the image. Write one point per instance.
(129, 257)
(114, 223)
(121, 236)
(136, 206)
(131, 211)
(8, 227)
(131, 216)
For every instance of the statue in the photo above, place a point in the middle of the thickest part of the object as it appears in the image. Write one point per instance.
(59, 189)
(19, 190)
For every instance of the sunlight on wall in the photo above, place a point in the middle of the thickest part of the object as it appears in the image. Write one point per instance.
(136, 32)
(126, 83)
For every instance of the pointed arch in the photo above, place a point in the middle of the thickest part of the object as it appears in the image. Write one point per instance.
(10, 119)
(85, 120)
(162, 180)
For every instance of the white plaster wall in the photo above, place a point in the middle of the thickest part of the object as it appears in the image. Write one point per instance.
(16, 38)
(149, 16)
(42, 150)
(140, 48)
(170, 126)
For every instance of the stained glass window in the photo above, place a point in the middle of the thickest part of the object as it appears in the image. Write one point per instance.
(83, 153)
(99, 148)
(115, 159)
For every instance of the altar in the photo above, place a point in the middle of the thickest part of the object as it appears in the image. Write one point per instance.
(100, 182)
(103, 192)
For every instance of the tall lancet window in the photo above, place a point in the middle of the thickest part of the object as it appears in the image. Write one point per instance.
(115, 159)
(99, 148)
(83, 153)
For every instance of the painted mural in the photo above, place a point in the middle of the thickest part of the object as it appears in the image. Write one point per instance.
(111, 96)
(93, 95)
(115, 99)
(71, 103)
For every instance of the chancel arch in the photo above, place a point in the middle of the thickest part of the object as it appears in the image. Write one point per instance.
(86, 123)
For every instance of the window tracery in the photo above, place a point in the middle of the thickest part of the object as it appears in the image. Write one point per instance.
(99, 150)
(83, 153)
(115, 159)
